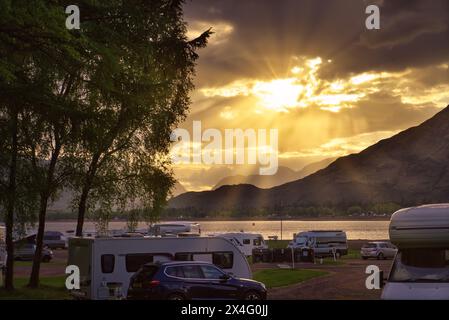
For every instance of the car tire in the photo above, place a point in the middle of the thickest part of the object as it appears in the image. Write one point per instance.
(176, 297)
(380, 256)
(252, 295)
(364, 258)
(46, 259)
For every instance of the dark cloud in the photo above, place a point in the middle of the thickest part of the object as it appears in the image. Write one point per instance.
(267, 33)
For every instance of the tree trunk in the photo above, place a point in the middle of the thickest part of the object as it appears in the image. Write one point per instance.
(11, 198)
(88, 179)
(45, 195)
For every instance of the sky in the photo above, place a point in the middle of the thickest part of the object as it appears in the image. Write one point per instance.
(311, 70)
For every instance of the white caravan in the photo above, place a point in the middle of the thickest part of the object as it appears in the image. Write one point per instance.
(421, 266)
(246, 242)
(107, 264)
(174, 228)
(323, 242)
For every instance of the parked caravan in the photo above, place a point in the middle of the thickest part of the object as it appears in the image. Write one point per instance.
(174, 228)
(323, 242)
(107, 264)
(421, 267)
(246, 242)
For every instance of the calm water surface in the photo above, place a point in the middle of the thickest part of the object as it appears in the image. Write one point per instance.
(372, 230)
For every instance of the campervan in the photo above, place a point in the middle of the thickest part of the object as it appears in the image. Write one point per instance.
(107, 264)
(174, 228)
(323, 242)
(421, 266)
(246, 242)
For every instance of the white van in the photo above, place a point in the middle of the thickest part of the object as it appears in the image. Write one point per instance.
(107, 264)
(246, 242)
(323, 242)
(421, 267)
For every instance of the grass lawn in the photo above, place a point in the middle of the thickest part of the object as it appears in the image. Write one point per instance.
(51, 288)
(284, 277)
(352, 254)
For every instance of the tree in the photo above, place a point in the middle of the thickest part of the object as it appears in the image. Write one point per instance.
(150, 78)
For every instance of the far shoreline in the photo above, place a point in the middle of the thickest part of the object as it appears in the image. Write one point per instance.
(218, 219)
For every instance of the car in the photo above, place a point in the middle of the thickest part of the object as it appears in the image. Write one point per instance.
(55, 240)
(25, 252)
(378, 250)
(187, 280)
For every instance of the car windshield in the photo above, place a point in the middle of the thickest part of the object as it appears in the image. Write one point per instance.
(421, 265)
(301, 240)
(369, 245)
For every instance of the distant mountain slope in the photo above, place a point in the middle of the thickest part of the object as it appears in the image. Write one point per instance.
(178, 189)
(409, 168)
(283, 175)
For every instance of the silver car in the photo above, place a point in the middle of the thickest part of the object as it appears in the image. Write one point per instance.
(25, 252)
(378, 250)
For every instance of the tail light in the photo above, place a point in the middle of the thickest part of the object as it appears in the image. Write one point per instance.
(154, 283)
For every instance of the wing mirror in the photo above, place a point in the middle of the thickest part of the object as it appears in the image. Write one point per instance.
(225, 277)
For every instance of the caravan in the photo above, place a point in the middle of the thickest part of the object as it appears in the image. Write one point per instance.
(421, 266)
(174, 228)
(246, 242)
(107, 264)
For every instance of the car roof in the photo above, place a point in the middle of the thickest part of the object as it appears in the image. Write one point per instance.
(174, 263)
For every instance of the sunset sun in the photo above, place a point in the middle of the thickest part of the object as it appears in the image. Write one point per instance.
(278, 95)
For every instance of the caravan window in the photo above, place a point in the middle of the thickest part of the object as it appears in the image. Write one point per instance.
(257, 241)
(224, 260)
(421, 265)
(246, 241)
(136, 260)
(107, 263)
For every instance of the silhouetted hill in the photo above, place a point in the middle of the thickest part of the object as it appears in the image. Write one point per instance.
(283, 175)
(409, 168)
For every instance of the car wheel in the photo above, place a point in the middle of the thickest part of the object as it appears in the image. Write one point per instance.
(252, 295)
(46, 259)
(380, 256)
(175, 297)
(364, 258)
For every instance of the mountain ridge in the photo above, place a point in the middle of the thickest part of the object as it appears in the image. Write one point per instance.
(411, 167)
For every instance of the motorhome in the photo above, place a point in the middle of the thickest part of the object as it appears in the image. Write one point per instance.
(174, 228)
(421, 266)
(246, 242)
(106, 264)
(323, 242)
